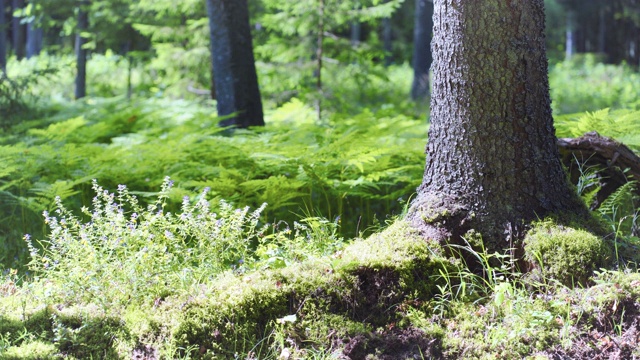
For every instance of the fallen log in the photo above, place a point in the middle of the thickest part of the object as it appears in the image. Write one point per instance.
(616, 164)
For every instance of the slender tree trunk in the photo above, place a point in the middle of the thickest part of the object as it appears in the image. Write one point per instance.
(387, 41)
(19, 31)
(319, 55)
(34, 36)
(602, 30)
(492, 161)
(422, 49)
(212, 92)
(3, 38)
(233, 63)
(356, 32)
(34, 40)
(570, 45)
(81, 52)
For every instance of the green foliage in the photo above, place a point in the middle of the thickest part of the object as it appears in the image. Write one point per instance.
(261, 311)
(351, 172)
(149, 253)
(619, 124)
(17, 95)
(583, 84)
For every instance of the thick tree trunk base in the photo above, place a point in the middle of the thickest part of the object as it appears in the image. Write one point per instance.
(443, 218)
(616, 164)
(439, 217)
(458, 228)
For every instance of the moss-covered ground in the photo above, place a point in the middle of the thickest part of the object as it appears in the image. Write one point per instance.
(393, 295)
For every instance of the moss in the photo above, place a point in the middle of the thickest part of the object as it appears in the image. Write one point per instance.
(35, 350)
(565, 254)
(364, 284)
(85, 335)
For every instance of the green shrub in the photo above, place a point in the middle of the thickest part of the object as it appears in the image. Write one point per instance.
(124, 250)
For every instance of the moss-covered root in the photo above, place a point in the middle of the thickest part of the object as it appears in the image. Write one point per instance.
(334, 303)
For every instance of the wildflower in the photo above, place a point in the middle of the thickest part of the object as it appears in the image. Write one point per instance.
(122, 188)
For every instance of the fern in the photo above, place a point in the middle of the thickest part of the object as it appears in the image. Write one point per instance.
(619, 208)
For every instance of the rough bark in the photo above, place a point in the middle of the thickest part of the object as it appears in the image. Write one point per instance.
(236, 81)
(492, 161)
(422, 49)
(3, 38)
(81, 52)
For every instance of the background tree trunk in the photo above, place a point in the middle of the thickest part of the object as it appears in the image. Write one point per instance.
(492, 161)
(602, 30)
(19, 31)
(3, 37)
(81, 53)
(422, 49)
(34, 40)
(236, 81)
(570, 45)
(387, 41)
(356, 32)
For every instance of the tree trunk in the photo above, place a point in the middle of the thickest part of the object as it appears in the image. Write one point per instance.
(19, 31)
(602, 29)
(34, 40)
(387, 41)
(356, 32)
(3, 38)
(236, 81)
(319, 55)
(422, 56)
(81, 53)
(570, 45)
(492, 161)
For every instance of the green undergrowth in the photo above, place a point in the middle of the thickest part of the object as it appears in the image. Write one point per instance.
(584, 84)
(312, 306)
(393, 295)
(354, 171)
